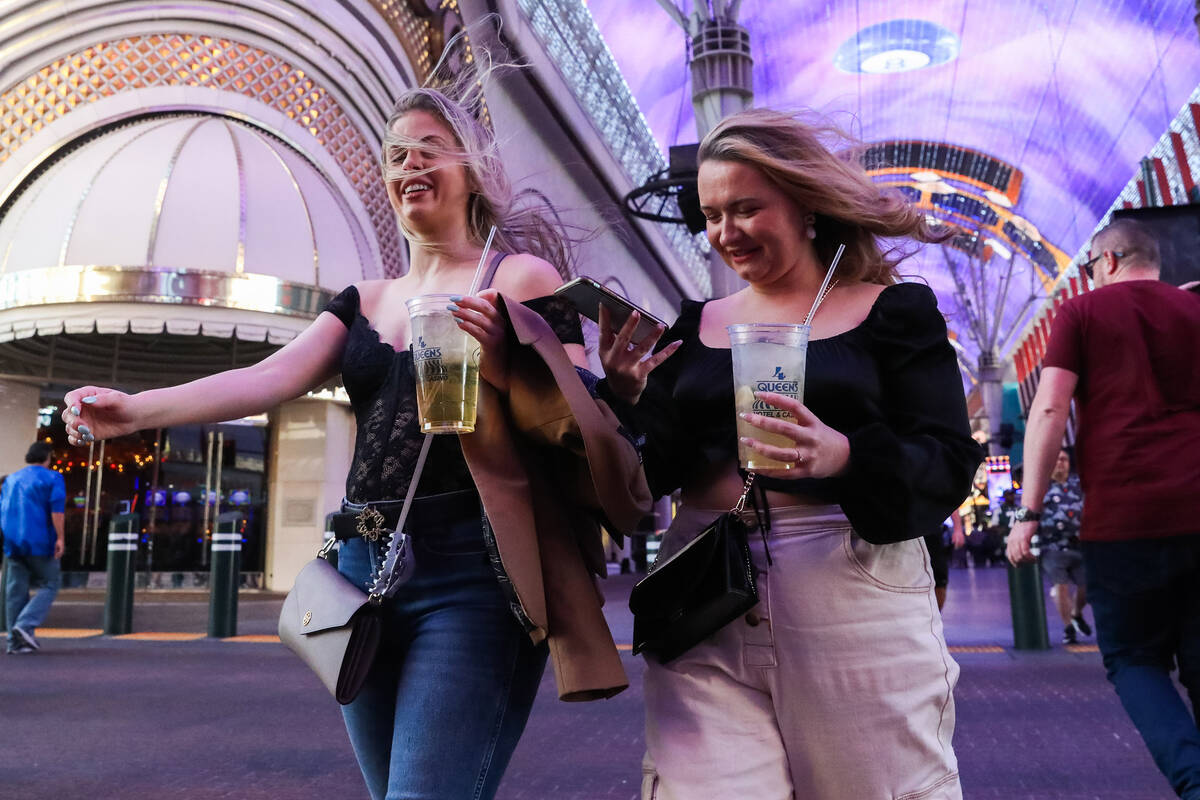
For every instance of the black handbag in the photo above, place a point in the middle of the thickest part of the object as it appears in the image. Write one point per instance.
(333, 625)
(698, 590)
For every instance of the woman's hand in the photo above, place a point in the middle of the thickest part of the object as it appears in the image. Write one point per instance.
(625, 364)
(818, 452)
(94, 412)
(479, 318)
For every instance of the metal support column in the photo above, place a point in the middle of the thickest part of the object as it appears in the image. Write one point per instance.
(225, 575)
(1028, 607)
(123, 533)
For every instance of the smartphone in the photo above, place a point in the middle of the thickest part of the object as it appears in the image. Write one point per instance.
(587, 296)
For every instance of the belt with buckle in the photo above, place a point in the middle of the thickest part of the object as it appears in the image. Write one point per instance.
(373, 520)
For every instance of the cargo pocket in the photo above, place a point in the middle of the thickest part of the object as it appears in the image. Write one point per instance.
(897, 567)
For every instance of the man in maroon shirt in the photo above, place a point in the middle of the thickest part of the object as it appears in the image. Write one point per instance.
(1129, 352)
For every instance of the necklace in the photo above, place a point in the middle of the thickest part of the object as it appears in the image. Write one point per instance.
(823, 295)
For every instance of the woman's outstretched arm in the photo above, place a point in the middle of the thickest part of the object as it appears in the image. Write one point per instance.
(305, 362)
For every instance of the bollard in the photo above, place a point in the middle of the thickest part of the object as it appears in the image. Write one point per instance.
(123, 534)
(1028, 607)
(225, 576)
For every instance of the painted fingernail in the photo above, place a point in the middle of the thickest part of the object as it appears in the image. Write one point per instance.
(743, 415)
(452, 307)
(84, 429)
(87, 437)
(75, 410)
(455, 298)
(744, 439)
(90, 400)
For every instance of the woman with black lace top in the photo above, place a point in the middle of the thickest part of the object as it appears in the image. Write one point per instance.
(460, 664)
(838, 684)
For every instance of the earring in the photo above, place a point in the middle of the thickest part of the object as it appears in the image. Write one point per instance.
(811, 222)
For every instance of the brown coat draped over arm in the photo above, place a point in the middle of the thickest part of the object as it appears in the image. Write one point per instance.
(550, 464)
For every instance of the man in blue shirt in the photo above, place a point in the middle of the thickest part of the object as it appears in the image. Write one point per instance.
(31, 517)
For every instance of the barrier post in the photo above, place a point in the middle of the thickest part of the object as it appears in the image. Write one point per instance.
(1028, 607)
(225, 575)
(123, 533)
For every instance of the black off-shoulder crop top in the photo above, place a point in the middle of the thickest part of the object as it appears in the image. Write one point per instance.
(383, 394)
(891, 385)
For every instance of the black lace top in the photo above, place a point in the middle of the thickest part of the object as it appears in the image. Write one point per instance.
(383, 394)
(891, 385)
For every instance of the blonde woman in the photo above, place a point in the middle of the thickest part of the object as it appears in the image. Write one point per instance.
(838, 684)
(464, 644)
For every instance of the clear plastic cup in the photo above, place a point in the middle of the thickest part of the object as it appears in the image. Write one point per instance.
(766, 358)
(446, 362)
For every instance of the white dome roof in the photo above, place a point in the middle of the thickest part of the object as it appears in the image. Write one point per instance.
(188, 193)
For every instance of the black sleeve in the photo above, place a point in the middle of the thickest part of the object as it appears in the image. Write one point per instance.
(668, 452)
(909, 471)
(345, 305)
(560, 315)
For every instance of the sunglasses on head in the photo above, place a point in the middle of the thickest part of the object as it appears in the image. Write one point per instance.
(1087, 266)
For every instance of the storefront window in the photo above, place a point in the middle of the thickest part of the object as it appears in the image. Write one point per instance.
(180, 482)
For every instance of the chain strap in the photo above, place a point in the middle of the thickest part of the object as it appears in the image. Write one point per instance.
(383, 584)
(741, 503)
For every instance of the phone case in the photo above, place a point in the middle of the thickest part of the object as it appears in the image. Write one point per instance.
(587, 295)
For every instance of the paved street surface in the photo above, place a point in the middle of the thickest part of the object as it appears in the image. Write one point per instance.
(176, 715)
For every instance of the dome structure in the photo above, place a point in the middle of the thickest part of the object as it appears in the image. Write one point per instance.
(128, 224)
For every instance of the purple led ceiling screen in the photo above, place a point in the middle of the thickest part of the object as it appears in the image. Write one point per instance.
(1070, 94)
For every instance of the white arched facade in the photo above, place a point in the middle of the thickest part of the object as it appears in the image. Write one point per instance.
(182, 189)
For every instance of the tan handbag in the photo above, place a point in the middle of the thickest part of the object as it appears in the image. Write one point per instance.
(334, 626)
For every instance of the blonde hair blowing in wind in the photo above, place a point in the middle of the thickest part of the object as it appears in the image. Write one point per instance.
(849, 207)
(525, 221)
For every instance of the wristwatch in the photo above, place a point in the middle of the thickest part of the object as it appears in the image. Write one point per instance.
(1024, 514)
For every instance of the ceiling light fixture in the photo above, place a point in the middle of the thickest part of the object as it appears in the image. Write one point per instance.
(898, 45)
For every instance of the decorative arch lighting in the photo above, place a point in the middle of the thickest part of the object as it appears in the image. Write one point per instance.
(998, 198)
(898, 45)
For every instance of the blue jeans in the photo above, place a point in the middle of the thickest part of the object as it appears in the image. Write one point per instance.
(40, 572)
(451, 691)
(1146, 598)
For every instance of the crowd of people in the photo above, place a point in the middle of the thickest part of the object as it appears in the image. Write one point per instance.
(839, 683)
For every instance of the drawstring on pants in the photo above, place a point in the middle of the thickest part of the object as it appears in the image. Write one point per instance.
(762, 512)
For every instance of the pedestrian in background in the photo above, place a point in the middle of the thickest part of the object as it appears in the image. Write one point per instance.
(1058, 538)
(32, 502)
(1129, 353)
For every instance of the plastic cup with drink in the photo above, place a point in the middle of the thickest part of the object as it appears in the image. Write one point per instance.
(766, 358)
(446, 360)
(771, 357)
